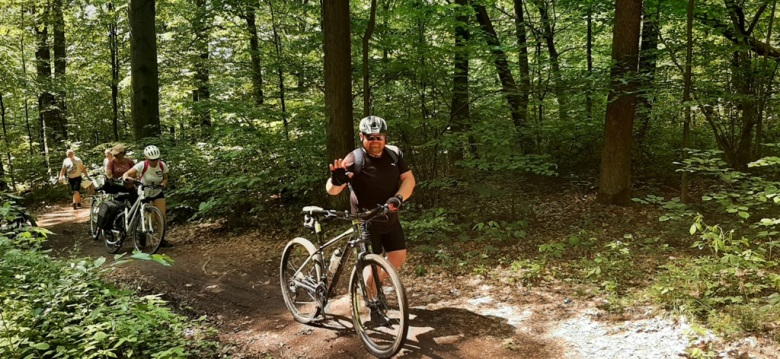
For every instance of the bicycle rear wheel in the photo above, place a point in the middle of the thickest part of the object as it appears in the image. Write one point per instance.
(385, 334)
(114, 237)
(148, 241)
(295, 274)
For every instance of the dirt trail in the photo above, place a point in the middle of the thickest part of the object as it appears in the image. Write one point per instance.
(234, 280)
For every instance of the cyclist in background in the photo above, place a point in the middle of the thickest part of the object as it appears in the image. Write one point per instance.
(151, 171)
(74, 167)
(116, 168)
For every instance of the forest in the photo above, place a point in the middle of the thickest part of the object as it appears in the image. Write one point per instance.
(619, 154)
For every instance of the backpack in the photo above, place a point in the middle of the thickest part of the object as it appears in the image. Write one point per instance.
(392, 151)
(146, 167)
(107, 212)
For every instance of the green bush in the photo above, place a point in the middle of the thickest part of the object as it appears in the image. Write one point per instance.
(62, 309)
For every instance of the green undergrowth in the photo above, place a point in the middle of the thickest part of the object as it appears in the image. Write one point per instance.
(53, 308)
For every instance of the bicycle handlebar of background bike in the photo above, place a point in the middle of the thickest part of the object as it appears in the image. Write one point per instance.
(152, 186)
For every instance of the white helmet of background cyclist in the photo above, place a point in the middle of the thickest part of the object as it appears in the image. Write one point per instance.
(152, 152)
(372, 124)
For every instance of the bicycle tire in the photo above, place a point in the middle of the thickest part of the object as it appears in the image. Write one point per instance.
(93, 209)
(114, 241)
(293, 256)
(400, 311)
(146, 245)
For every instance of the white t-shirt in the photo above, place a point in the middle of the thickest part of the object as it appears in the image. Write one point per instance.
(73, 167)
(153, 175)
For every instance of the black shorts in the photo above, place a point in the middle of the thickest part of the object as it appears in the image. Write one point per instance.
(159, 196)
(387, 239)
(75, 183)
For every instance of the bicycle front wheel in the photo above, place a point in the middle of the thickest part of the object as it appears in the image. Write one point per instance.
(147, 237)
(299, 275)
(380, 311)
(93, 217)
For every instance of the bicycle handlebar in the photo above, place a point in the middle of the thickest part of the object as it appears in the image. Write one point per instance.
(152, 186)
(332, 213)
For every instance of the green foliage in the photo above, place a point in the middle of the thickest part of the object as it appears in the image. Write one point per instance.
(62, 309)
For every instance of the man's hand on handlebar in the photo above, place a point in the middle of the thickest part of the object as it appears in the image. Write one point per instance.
(393, 203)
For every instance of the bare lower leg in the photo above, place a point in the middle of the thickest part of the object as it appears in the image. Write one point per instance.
(396, 258)
(76, 197)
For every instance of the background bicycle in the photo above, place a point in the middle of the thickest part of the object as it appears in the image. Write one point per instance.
(142, 221)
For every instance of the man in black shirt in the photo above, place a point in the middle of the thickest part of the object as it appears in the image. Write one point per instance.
(377, 174)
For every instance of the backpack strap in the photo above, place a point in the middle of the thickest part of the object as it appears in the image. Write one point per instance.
(146, 167)
(360, 159)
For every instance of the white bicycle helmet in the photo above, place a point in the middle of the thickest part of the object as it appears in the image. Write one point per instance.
(152, 152)
(372, 125)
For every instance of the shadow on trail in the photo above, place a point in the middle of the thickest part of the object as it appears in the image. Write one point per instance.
(455, 333)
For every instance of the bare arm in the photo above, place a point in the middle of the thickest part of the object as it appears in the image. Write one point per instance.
(129, 174)
(407, 185)
(164, 182)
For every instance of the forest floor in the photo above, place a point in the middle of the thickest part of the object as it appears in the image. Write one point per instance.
(232, 277)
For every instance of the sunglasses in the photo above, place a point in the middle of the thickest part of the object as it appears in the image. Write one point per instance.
(374, 138)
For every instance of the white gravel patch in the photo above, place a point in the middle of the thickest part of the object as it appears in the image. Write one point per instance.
(654, 338)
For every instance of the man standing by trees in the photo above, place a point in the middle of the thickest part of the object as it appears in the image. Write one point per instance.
(376, 173)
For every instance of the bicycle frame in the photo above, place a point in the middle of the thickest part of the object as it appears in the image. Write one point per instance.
(138, 208)
(356, 243)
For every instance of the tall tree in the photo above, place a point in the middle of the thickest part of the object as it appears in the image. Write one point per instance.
(254, 48)
(615, 184)
(145, 101)
(525, 76)
(338, 78)
(459, 111)
(60, 61)
(113, 47)
(201, 94)
(279, 62)
(687, 97)
(766, 88)
(548, 32)
(43, 72)
(366, 39)
(508, 85)
(648, 57)
(589, 55)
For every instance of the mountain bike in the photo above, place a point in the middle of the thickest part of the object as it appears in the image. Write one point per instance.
(380, 314)
(144, 222)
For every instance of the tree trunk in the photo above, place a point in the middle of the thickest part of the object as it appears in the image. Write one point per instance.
(366, 39)
(113, 44)
(548, 33)
(145, 100)
(687, 99)
(202, 25)
(279, 61)
(3, 184)
(60, 61)
(615, 184)
(459, 111)
(24, 75)
(43, 70)
(257, 74)
(766, 86)
(647, 67)
(589, 51)
(338, 78)
(525, 77)
(508, 85)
